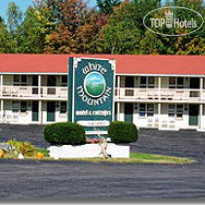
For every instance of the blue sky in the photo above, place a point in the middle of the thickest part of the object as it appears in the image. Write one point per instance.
(24, 4)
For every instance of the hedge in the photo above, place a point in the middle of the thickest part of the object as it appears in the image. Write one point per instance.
(64, 133)
(122, 132)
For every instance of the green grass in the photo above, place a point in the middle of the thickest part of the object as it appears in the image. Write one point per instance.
(44, 151)
(162, 159)
(134, 158)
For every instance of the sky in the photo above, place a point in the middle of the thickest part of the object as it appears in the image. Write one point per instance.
(24, 4)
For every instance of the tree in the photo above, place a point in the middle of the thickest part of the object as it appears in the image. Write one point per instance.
(78, 30)
(125, 28)
(34, 30)
(14, 17)
(5, 39)
(126, 34)
(107, 6)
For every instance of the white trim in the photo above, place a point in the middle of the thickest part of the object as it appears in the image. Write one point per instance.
(161, 75)
(113, 69)
(32, 73)
(117, 74)
(1, 86)
(105, 59)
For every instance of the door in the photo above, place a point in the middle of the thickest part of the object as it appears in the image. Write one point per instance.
(35, 84)
(129, 82)
(193, 115)
(50, 111)
(194, 83)
(51, 80)
(35, 110)
(129, 112)
(34, 80)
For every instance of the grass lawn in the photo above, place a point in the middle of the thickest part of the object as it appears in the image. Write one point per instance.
(134, 158)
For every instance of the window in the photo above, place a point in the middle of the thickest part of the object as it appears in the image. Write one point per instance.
(16, 80)
(23, 106)
(64, 80)
(63, 107)
(180, 82)
(143, 82)
(147, 82)
(146, 110)
(19, 106)
(23, 80)
(179, 113)
(150, 110)
(142, 110)
(172, 82)
(171, 111)
(176, 82)
(15, 106)
(176, 110)
(20, 80)
(151, 82)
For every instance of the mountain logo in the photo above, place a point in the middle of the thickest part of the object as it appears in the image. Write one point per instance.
(94, 84)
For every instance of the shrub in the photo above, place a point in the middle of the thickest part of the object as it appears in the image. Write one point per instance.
(26, 148)
(64, 133)
(122, 132)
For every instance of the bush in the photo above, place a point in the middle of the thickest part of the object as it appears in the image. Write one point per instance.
(64, 133)
(26, 148)
(122, 132)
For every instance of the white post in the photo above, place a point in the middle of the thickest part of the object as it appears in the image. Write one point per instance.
(39, 86)
(118, 111)
(200, 116)
(201, 88)
(159, 115)
(1, 85)
(40, 112)
(2, 110)
(118, 86)
(159, 88)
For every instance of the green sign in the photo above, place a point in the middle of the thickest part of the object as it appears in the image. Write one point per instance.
(91, 94)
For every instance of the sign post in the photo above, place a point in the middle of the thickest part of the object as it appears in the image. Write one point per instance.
(91, 94)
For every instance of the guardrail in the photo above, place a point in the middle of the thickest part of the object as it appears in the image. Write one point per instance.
(159, 94)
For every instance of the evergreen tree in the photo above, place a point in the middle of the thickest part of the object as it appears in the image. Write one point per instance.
(106, 6)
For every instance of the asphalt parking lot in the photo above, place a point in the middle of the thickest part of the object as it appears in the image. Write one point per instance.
(78, 180)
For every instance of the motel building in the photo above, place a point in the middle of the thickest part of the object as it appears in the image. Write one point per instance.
(163, 92)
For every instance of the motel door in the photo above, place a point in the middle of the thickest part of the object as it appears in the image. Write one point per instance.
(35, 111)
(129, 112)
(50, 111)
(193, 115)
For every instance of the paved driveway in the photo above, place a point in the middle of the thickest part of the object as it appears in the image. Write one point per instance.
(66, 180)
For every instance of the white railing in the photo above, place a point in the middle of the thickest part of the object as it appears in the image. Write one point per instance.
(122, 93)
(34, 91)
(159, 94)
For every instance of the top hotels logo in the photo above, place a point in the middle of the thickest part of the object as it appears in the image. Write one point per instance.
(173, 21)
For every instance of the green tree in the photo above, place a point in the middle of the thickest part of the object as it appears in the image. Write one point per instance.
(125, 28)
(5, 39)
(107, 6)
(14, 18)
(34, 30)
(14, 15)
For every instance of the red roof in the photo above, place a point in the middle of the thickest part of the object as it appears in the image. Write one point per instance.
(126, 64)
